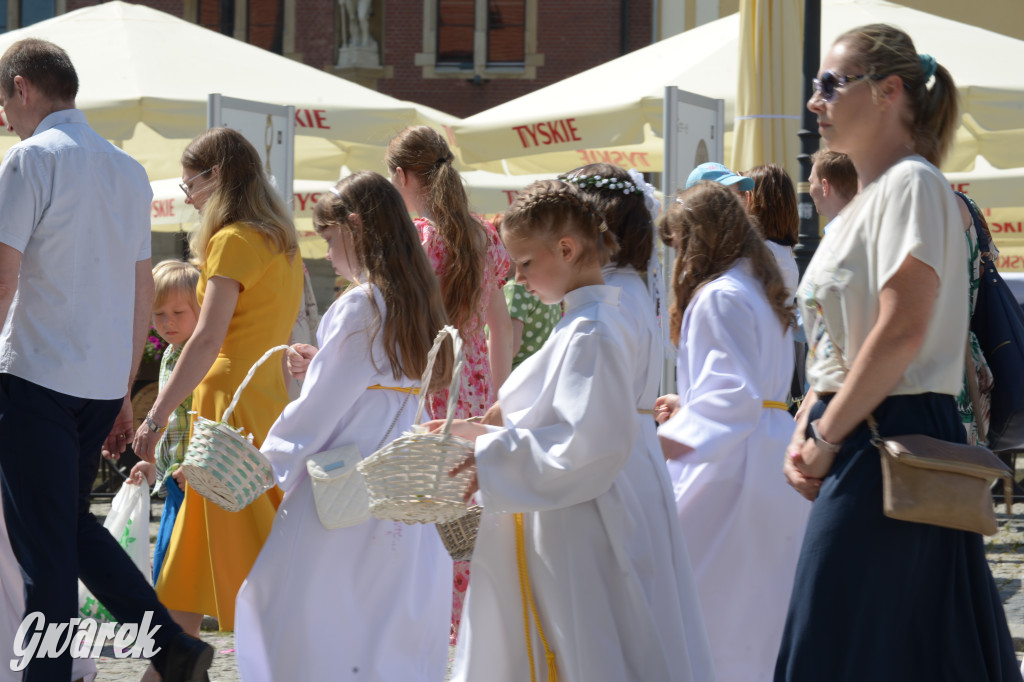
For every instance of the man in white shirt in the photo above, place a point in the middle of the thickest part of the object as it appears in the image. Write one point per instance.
(833, 182)
(75, 293)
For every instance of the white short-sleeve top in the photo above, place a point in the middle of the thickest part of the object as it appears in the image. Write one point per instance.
(77, 208)
(908, 211)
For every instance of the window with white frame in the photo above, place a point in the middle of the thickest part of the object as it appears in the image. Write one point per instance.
(487, 38)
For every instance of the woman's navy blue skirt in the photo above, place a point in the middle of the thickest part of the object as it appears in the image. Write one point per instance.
(875, 599)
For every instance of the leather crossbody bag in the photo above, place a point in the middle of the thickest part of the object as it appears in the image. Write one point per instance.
(928, 480)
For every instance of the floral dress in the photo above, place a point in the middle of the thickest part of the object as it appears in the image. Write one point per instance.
(975, 417)
(477, 392)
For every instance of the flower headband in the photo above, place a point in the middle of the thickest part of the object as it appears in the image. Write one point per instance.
(626, 186)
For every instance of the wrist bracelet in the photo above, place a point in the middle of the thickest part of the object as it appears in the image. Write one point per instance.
(821, 442)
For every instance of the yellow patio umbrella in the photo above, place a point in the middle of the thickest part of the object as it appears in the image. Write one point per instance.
(145, 76)
(768, 96)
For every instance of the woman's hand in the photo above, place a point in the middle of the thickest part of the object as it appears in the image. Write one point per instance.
(803, 484)
(145, 442)
(298, 357)
(143, 470)
(665, 407)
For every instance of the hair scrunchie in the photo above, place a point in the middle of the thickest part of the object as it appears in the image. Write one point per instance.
(929, 65)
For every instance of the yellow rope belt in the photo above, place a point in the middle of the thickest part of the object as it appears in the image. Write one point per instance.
(401, 389)
(528, 607)
(776, 404)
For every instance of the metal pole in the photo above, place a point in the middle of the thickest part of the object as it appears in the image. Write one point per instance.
(809, 238)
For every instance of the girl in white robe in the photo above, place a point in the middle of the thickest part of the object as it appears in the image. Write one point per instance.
(725, 443)
(605, 564)
(368, 602)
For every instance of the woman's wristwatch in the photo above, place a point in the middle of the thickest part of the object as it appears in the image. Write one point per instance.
(820, 442)
(151, 423)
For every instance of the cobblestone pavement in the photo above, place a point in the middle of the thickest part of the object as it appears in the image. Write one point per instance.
(1005, 555)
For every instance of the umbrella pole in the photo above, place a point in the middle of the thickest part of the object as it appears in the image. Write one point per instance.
(809, 231)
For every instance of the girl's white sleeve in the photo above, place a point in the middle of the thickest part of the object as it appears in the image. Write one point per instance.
(573, 441)
(336, 377)
(722, 405)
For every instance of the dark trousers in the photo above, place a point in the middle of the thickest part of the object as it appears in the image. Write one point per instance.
(49, 454)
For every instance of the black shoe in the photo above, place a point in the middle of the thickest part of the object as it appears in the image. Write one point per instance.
(187, 659)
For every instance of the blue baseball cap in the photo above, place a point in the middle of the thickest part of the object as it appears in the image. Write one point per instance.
(716, 172)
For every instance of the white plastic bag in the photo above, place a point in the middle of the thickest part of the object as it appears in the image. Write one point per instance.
(128, 521)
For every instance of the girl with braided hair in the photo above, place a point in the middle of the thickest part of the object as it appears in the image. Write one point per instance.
(578, 561)
(731, 321)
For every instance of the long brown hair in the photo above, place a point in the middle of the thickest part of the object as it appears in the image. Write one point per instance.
(711, 231)
(773, 203)
(624, 212)
(422, 151)
(387, 248)
(242, 193)
(932, 115)
(553, 208)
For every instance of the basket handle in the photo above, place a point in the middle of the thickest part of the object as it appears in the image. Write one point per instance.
(247, 379)
(453, 389)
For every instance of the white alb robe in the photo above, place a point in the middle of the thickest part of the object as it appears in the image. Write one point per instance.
(742, 523)
(607, 564)
(369, 602)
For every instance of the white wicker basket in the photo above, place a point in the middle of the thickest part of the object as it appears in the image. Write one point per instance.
(408, 478)
(222, 464)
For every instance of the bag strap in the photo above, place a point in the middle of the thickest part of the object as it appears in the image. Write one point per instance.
(984, 236)
(405, 401)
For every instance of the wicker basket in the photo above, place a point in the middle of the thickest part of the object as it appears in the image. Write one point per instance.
(408, 478)
(222, 464)
(459, 536)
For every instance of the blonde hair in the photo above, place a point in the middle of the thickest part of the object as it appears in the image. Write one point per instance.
(176, 276)
(242, 193)
(554, 208)
(387, 248)
(932, 114)
(711, 231)
(423, 152)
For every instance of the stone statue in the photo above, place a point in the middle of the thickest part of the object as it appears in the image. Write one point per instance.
(355, 23)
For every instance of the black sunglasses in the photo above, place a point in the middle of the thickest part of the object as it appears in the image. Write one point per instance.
(830, 81)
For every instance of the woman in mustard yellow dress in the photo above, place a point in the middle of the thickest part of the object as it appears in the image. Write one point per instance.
(249, 294)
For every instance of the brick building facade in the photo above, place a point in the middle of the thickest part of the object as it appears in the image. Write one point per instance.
(563, 37)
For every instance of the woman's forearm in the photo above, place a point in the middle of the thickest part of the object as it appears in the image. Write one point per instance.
(201, 350)
(499, 343)
(195, 361)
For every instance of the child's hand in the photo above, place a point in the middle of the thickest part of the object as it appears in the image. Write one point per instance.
(492, 417)
(298, 357)
(665, 407)
(460, 427)
(143, 470)
(474, 484)
(179, 477)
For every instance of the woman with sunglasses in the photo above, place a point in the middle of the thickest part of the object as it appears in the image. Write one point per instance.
(249, 294)
(885, 310)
